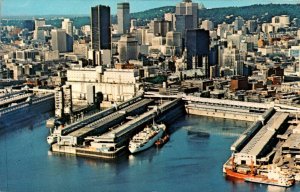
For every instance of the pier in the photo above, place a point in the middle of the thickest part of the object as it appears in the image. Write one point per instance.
(17, 112)
(106, 134)
(108, 137)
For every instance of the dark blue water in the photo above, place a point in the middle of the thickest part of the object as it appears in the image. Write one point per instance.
(190, 161)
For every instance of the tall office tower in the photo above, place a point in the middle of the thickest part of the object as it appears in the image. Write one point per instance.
(207, 25)
(127, 48)
(252, 26)
(170, 17)
(174, 40)
(160, 27)
(183, 23)
(197, 46)
(40, 22)
(29, 24)
(100, 23)
(59, 40)
(39, 33)
(67, 25)
(187, 7)
(123, 18)
(238, 23)
(133, 24)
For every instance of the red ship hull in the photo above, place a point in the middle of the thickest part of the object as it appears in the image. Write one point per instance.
(237, 175)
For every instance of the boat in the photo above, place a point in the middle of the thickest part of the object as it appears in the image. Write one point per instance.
(146, 138)
(237, 175)
(233, 172)
(51, 139)
(161, 141)
(274, 177)
(281, 182)
(56, 132)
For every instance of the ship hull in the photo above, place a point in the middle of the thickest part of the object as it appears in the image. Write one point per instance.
(236, 175)
(268, 182)
(147, 145)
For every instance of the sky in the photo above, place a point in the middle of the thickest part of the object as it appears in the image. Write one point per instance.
(82, 7)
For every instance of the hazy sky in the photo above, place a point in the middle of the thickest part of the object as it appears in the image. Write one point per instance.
(66, 7)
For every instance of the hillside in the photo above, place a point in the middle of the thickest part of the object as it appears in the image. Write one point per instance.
(218, 15)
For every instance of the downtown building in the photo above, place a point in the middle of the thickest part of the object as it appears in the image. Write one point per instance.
(197, 47)
(123, 15)
(100, 24)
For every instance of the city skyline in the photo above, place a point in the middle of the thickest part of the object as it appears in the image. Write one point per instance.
(78, 7)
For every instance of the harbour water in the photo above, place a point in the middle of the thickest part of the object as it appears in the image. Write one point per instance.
(191, 161)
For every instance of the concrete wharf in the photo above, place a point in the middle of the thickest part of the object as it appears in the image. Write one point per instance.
(102, 125)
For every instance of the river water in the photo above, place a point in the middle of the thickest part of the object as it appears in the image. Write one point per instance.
(191, 161)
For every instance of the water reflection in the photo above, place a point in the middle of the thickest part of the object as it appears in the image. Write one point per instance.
(188, 162)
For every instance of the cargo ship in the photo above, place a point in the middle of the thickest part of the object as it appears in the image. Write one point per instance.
(274, 177)
(271, 176)
(146, 138)
(281, 182)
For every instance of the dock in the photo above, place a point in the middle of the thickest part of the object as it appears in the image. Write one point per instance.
(101, 139)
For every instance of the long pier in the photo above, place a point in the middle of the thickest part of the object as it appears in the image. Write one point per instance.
(110, 142)
(102, 125)
(107, 133)
(23, 110)
(90, 119)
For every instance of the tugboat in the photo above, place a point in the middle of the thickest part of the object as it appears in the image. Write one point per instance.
(146, 138)
(161, 141)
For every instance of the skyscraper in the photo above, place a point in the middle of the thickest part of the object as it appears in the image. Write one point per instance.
(67, 25)
(29, 24)
(100, 23)
(187, 7)
(59, 40)
(127, 48)
(123, 18)
(40, 22)
(197, 46)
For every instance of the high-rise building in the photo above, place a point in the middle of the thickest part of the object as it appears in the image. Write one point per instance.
(252, 26)
(238, 23)
(187, 7)
(207, 25)
(127, 48)
(40, 22)
(183, 23)
(67, 25)
(197, 46)
(29, 24)
(123, 18)
(100, 23)
(59, 40)
(39, 33)
(174, 41)
(160, 27)
(133, 24)
(170, 17)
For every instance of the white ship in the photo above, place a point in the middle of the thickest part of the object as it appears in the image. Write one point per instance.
(51, 139)
(146, 138)
(54, 134)
(274, 177)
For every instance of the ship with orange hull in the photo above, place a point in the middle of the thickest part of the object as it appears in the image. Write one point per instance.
(237, 175)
